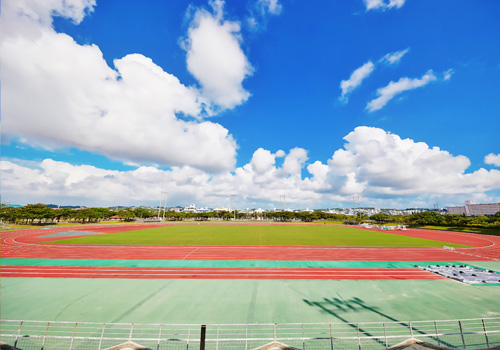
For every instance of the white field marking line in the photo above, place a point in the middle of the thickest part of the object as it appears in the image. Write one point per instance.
(149, 247)
(247, 247)
(464, 234)
(234, 270)
(52, 231)
(206, 274)
(184, 258)
(493, 244)
(258, 247)
(178, 247)
(478, 256)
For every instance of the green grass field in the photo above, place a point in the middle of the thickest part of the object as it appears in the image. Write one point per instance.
(257, 235)
(480, 230)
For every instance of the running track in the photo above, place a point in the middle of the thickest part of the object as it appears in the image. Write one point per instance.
(23, 244)
(214, 273)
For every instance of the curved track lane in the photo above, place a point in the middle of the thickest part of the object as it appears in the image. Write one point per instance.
(22, 244)
(216, 273)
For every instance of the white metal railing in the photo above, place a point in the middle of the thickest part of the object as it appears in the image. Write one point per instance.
(458, 334)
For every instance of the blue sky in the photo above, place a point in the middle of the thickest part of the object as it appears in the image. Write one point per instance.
(112, 102)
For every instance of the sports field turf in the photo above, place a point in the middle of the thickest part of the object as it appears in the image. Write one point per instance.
(257, 235)
(242, 301)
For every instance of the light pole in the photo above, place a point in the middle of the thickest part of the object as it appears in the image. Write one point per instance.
(232, 196)
(282, 199)
(162, 193)
(165, 204)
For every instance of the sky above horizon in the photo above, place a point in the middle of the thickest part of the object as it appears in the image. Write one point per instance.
(112, 102)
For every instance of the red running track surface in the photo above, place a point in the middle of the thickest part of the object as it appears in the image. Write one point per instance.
(22, 244)
(217, 273)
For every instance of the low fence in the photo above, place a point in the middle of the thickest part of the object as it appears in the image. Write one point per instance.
(454, 334)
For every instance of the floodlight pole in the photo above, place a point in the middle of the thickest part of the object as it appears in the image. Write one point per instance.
(165, 204)
(282, 198)
(232, 196)
(354, 198)
(159, 207)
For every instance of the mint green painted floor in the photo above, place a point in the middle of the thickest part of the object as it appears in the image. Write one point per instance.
(221, 263)
(242, 301)
(488, 265)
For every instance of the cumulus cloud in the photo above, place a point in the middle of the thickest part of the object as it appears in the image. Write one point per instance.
(384, 164)
(493, 159)
(387, 93)
(394, 57)
(261, 11)
(263, 161)
(41, 12)
(383, 4)
(379, 166)
(294, 161)
(215, 57)
(131, 112)
(259, 181)
(355, 80)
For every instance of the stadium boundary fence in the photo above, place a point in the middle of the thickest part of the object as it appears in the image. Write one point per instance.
(454, 334)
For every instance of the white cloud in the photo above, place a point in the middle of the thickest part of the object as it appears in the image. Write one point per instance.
(294, 161)
(263, 161)
(394, 57)
(41, 12)
(270, 6)
(355, 80)
(383, 4)
(280, 154)
(493, 159)
(379, 166)
(388, 92)
(215, 58)
(385, 164)
(260, 11)
(447, 75)
(75, 99)
(258, 181)
(360, 74)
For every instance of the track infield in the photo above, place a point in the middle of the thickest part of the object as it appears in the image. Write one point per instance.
(253, 235)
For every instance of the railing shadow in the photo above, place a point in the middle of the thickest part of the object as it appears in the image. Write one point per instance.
(336, 306)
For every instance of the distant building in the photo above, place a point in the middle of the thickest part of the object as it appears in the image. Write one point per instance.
(470, 208)
(190, 209)
(222, 209)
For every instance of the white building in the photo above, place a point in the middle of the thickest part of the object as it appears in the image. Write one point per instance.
(190, 209)
(222, 209)
(470, 208)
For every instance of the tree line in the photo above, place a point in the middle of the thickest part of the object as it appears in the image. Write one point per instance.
(33, 214)
(432, 218)
(39, 214)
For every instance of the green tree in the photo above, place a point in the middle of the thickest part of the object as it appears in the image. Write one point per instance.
(33, 212)
(427, 218)
(381, 218)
